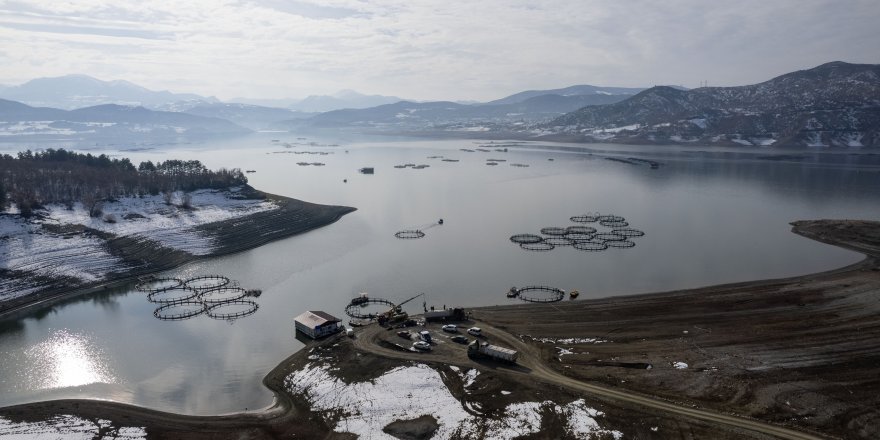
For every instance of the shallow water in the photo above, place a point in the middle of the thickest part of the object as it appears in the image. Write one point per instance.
(710, 216)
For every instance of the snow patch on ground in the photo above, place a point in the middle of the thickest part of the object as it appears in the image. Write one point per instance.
(404, 393)
(67, 427)
(617, 129)
(563, 351)
(680, 365)
(567, 341)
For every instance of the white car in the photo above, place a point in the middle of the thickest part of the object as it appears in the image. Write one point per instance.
(475, 331)
(451, 328)
(422, 345)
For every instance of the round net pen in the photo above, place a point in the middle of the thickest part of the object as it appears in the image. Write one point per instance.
(540, 294)
(628, 232)
(541, 246)
(559, 241)
(409, 234)
(553, 230)
(613, 224)
(158, 285)
(172, 296)
(579, 237)
(357, 310)
(620, 244)
(606, 237)
(222, 295)
(232, 309)
(526, 238)
(580, 230)
(179, 311)
(584, 218)
(590, 246)
(611, 218)
(206, 282)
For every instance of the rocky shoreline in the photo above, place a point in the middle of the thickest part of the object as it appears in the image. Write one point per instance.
(797, 353)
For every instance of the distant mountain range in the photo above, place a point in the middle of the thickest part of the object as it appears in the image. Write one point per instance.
(579, 90)
(18, 120)
(835, 104)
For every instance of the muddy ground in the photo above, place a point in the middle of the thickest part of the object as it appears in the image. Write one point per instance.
(800, 353)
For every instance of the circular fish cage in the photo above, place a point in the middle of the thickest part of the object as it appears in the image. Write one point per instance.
(172, 296)
(540, 294)
(611, 218)
(179, 311)
(606, 237)
(221, 295)
(584, 218)
(628, 232)
(526, 238)
(356, 310)
(232, 309)
(620, 244)
(158, 284)
(580, 230)
(579, 237)
(613, 224)
(409, 234)
(541, 246)
(553, 230)
(206, 282)
(559, 241)
(590, 246)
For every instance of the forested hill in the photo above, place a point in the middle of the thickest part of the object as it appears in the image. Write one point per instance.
(835, 104)
(32, 179)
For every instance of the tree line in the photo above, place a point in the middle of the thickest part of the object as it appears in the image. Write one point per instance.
(32, 179)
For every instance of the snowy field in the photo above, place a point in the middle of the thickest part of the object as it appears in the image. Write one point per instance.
(68, 427)
(27, 246)
(406, 393)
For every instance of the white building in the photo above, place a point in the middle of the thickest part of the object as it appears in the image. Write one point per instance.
(317, 324)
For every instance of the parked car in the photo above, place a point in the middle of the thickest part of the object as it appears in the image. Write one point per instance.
(475, 331)
(422, 345)
(451, 328)
(425, 335)
(404, 334)
(459, 339)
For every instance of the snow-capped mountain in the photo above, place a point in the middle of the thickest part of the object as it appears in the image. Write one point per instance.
(835, 104)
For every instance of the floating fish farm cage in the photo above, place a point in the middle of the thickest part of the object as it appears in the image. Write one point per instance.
(582, 237)
(357, 309)
(538, 294)
(214, 295)
(409, 234)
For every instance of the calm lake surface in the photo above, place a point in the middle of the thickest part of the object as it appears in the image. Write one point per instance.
(710, 216)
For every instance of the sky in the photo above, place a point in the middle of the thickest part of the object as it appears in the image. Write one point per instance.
(425, 49)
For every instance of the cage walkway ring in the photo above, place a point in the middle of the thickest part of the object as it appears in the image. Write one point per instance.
(540, 294)
(559, 241)
(553, 230)
(210, 282)
(187, 310)
(613, 224)
(541, 246)
(172, 283)
(607, 236)
(590, 246)
(222, 295)
(621, 244)
(409, 234)
(580, 230)
(187, 295)
(251, 308)
(585, 218)
(526, 238)
(628, 232)
(353, 310)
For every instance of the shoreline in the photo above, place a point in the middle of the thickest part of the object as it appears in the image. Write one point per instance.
(235, 235)
(626, 322)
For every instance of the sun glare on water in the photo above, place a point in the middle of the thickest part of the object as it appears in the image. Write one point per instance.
(69, 359)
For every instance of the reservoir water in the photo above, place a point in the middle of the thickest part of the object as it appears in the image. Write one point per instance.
(709, 215)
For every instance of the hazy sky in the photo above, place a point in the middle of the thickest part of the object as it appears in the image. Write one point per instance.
(417, 49)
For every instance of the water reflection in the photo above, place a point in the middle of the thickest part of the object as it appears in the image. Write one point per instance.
(67, 359)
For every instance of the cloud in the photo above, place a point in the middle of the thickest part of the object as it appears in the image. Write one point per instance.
(431, 49)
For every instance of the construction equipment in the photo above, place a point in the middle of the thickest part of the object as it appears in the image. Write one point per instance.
(395, 313)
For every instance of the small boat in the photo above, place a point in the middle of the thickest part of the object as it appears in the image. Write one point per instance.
(362, 299)
(440, 222)
(513, 292)
(573, 294)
